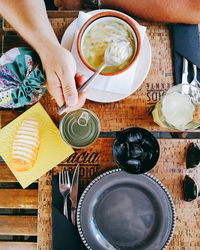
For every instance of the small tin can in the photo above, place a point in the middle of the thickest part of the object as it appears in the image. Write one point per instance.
(80, 128)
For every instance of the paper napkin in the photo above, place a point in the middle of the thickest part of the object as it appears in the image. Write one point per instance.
(52, 148)
(121, 83)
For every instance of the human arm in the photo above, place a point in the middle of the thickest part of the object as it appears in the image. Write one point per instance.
(181, 11)
(30, 19)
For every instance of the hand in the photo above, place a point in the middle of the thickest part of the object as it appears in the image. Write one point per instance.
(80, 79)
(62, 80)
(68, 4)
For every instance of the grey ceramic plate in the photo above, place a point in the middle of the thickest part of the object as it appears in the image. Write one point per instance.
(123, 211)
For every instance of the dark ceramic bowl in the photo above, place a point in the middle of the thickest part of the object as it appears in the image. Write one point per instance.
(136, 150)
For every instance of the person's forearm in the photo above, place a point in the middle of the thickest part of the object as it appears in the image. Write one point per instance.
(30, 19)
(184, 11)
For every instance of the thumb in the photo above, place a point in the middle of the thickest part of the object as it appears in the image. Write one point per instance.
(69, 89)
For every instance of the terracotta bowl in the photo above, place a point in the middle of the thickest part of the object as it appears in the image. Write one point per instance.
(106, 16)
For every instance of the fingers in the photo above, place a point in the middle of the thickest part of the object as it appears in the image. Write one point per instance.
(78, 106)
(80, 79)
(66, 93)
(55, 89)
(57, 3)
(69, 88)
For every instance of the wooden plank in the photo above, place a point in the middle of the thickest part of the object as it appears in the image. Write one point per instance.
(7, 116)
(18, 246)
(51, 15)
(19, 198)
(44, 236)
(63, 14)
(18, 225)
(5, 174)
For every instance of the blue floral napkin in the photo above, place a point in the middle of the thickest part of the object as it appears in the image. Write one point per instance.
(21, 78)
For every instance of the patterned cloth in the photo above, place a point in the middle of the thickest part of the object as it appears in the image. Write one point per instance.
(21, 78)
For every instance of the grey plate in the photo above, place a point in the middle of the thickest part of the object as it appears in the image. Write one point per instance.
(123, 211)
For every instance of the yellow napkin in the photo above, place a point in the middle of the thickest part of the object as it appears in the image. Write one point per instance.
(52, 148)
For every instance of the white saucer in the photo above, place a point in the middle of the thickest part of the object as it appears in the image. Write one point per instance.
(143, 66)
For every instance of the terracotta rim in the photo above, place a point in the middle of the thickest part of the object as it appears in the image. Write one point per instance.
(109, 14)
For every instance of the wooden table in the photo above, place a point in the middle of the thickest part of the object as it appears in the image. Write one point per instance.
(33, 205)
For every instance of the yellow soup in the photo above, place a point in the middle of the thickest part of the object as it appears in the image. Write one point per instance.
(106, 34)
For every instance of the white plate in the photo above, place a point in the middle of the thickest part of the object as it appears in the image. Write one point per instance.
(143, 66)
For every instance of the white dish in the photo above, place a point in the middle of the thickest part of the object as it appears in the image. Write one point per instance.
(143, 66)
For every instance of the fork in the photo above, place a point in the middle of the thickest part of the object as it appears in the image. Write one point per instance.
(195, 82)
(185, 71)
(64, 187)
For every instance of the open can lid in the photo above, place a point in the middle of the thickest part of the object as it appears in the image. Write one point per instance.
(80, 128)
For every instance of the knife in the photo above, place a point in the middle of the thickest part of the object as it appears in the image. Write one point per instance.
(185, 71)
(73, 195)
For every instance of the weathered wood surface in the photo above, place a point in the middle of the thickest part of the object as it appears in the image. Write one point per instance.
(19, 198)
(5, 174)
(18, 246)
(18, 225)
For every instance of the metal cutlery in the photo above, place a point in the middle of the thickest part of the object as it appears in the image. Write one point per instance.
(185, 71)
(195, 82)
(74, 194)
(64, 187)
(107, 62)
(84, 87)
